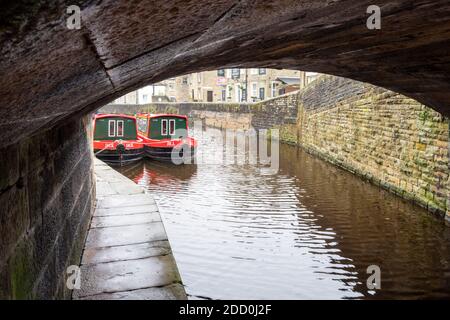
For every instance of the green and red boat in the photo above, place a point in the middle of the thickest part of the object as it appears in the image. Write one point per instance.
(166, 137)
(116, 139)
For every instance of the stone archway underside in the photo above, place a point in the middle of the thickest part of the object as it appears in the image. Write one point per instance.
(50, 73)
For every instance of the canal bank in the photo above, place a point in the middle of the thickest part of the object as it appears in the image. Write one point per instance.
(127, 254)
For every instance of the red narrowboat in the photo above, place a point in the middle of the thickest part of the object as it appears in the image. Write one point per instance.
(166, 137)
(116, 139)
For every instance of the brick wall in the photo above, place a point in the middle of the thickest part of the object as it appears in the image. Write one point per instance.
(46, 201)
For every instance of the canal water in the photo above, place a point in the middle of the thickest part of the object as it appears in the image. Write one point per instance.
(308, 232)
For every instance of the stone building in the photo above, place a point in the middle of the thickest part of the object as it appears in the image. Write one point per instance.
(307, 77)
(164, 91)
(236, 85)
(222, 85)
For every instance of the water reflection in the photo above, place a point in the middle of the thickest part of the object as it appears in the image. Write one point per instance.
(308, 232)
(157, 173)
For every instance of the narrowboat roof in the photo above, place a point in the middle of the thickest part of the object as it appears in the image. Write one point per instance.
(157, 115)
(113, 115)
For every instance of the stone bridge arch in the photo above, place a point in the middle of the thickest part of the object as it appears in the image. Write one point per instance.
(51, 73)
(52, 76)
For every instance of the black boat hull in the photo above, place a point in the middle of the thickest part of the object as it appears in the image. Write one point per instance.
(165, 155)
(114, 157)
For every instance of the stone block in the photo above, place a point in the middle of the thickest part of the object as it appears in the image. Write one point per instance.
(14, 219)
(9, 166)
(43, 210)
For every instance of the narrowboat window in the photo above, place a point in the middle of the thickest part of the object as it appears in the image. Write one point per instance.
(164, 127)
(111, 128)
(172, 127)
(120, 128)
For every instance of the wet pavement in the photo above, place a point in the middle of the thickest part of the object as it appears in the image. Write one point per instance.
(127, 254)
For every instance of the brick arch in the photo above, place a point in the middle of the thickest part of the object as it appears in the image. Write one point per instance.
(50, 73)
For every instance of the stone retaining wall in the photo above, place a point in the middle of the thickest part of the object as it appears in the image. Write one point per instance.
(46, 198)
(265, 114)
(387, 138)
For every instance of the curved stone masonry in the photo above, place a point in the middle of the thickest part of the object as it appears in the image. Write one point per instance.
(51, 73)
(47, 194)
(52, 76)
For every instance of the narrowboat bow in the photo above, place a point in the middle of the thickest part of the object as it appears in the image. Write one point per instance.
(166, 137)
(116, 140)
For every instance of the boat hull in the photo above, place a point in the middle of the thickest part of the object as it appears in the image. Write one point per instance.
(119, 152)
(114, 157)
(165, 154)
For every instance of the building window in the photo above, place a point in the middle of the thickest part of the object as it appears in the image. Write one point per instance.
(254, 90)
(209, 96)
(273, 87)
(261, 93)
(164, 127)
(185, 80)
(172, 127)
(144, 98)
(224, 95)
(244, 94)
(253, 71)
(262, 70)
(230, 92)
(235, 73)
(119, 128)
(111, 128)
(221, 73)
(238, 94)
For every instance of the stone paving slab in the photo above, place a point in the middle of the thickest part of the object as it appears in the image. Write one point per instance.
(170, 292)
(122, 235)
(124, 220)
(118, 200)
(127, 254)
(127, 275)
(101, 212)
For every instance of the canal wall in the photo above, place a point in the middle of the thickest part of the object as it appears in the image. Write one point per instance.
(46, 201)
(269, 113)
(393, 141)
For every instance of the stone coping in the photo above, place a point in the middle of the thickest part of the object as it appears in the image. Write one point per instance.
(127, 254)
